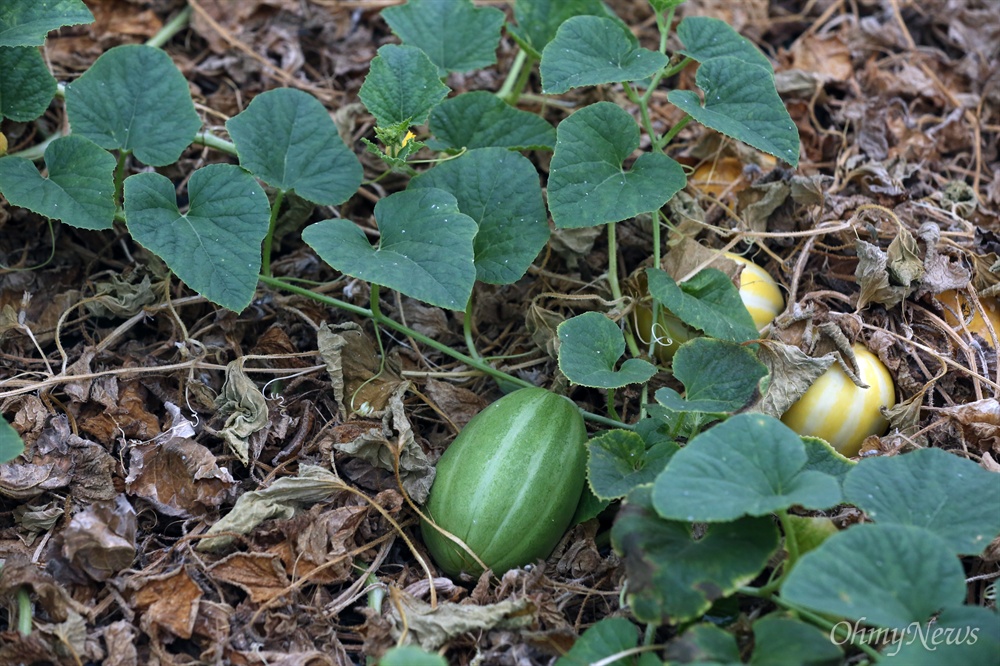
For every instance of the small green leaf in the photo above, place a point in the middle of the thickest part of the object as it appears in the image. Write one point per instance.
(890, 575)
(783, 641)
(590, 346)
(704, 643)
(498, 189)
(590, 51)
(664, 5)
(749, 465)
(609, 636)
(26, 22)
(588, 184)
(953, 498)
(538, 20)
(719, 377)
(402, 86)
(742, 103)
(618, 462)
(287, 139)
(705, 38)
(133, 98)
(11, 444)
(79, 189)
(674, 575)
(480, 119)
(960, 635)
(709, 301)
(26, 87)
(413, 256)
(455, 34)
(409, 655)
(215, 246)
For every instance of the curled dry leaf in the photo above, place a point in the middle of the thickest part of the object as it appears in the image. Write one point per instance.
(99, 541)
(245, 409)
(179, 477)
(170, 601)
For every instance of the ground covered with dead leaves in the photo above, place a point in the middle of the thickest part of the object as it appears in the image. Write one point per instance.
(118, 378)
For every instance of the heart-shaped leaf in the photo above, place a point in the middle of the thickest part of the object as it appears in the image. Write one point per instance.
(539, 20)
(215, 246)
(741, 102)
(26, 22)
(709, 301)
(719, 377)
(414, 255)
(80, 187)
(618, 461)
(589, 348)
(480, 119)
(287, 139)
(498, 189)
(592, 50)
(588, 184)
(402, 86)
(133, 98)
(705, 38)
(749, 465)
(26, 87)
(455, 34)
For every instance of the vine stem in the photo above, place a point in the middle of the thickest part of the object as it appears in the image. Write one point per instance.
(470, 344)
(265, 266)
(381, 319)
(171, 28)
(23, 611)
(517, 78)
(616, 289)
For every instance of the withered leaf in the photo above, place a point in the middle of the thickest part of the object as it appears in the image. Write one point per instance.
(244, 407)
(460, 404)
(261, 575)
(792, 373)
(179, 477)
(170, 601)
(100, 540)
(873, 277)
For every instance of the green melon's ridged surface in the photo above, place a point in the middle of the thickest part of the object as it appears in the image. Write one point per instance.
(509, 484)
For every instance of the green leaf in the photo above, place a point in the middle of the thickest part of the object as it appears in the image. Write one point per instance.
(705, 38)
(890, 575)
(953, 498)
(413, 256)
(590, 51)
(618, 461)
(480, 119)
(538, 20)
(589, 347)
(409, 655)
(824, 458)
(455, 34)
(960, 635)
(588, 184)
(742, 103)
(26, 87)
(500, 191)
(215, 246)
(133, 98)
(709, 301)
(26, 22)
(664, 5)
(704, 644)
(719, 377)
(605, 638)
(749, 465)
(783, 641)
(287, 139)
(674, 575)
(11, 444)
(79, 189)
(402, 86)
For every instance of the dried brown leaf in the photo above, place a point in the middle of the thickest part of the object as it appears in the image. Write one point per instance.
(179, 477)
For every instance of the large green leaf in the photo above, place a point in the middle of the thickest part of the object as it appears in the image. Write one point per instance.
(538, 20)
(79, 189)
(402, 86)
(742, 103)
(675, 575)
(588, 184)
(954, 498)
(480, 119)
(618, 461)
(498, 189)
(890, 575)
(11, 444)
(26, 87)
(26, 22)
(134, 99)
(705, 38)
(287, 139)
(589, 348)
(784, 641)
(455, 34)
(609, 636)
(719, 377)
(709, 301)
(424, 249)
(215, 246)
(590, 51)
(749, 465)
(704, 643)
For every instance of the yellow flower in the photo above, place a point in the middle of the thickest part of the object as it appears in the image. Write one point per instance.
(409, 135)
